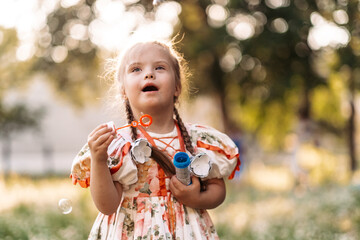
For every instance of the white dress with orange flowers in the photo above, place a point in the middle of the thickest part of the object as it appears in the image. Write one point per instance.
(148, 210)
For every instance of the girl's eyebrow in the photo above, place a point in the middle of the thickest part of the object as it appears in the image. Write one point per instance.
(157, 62)
(133, 64)
(162, 62)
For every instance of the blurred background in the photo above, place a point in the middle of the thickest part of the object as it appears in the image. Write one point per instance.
(281, 77)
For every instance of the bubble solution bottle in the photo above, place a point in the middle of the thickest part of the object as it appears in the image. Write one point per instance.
(182, 162)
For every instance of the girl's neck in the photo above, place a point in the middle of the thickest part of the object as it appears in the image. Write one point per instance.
(162, 122)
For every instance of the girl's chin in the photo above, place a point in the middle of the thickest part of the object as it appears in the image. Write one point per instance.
(150, 106)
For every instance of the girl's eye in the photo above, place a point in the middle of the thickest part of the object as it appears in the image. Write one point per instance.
(135, 69)
(160, 68)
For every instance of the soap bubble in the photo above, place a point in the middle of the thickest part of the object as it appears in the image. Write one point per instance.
(65, 206)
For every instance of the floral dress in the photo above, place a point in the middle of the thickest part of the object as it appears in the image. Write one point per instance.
(147, 209)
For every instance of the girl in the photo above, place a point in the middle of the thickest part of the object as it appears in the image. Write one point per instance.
(136, 192)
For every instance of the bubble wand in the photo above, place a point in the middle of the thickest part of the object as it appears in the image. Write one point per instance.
(142, 122)
(145, 121)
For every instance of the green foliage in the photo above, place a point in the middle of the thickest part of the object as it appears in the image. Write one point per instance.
(264, 82)
(35, 222)
(257, 93)
(356, 210)
(17, 118)
(14, 74)
(328, 212)
(45, 221)
(327, 107)
(76, 77)
(273, 69)
(323, 213)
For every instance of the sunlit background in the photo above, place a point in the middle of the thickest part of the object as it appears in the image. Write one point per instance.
(280, 77)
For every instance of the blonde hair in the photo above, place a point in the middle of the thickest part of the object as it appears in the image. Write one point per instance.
(115, 69)
(178, 63)
(117, 92)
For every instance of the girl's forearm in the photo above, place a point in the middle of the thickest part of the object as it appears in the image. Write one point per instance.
(105, 193)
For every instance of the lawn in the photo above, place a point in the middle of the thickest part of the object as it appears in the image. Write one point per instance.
(29, 210)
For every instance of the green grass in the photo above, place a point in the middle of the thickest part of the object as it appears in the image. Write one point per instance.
(331, 212)
(31, 221)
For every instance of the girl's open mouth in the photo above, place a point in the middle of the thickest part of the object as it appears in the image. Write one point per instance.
(150, 89)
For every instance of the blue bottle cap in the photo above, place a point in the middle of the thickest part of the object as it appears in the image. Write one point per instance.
(181, 160)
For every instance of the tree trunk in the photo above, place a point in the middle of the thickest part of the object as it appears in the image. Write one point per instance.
(304, 108)
(219, 81)
(351, 136)
(224, 114)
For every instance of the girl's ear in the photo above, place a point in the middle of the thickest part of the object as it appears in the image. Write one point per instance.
(177, 90)
(122, 92)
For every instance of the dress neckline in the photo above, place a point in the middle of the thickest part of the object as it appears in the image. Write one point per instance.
(172, 133)
(151, 139)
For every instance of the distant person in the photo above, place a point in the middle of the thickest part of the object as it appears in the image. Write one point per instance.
(137, 192)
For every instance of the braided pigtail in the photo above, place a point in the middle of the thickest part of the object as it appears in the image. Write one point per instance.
(130, 117)
(187, 142)
(184, 132)
(162, 159)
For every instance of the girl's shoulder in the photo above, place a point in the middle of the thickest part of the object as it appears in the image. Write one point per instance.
(218, 146)
(209, 135)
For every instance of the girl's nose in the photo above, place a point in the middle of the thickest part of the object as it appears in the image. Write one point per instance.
(149, 76)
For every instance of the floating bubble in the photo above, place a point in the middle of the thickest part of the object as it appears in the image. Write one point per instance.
(65, 206)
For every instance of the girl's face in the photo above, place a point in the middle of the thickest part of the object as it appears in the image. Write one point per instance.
(149, 79)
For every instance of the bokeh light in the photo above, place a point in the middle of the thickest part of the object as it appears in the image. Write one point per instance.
(279, 25)
(340, 17)
(242, 26)
(270, 65)
(277, 3)
(325, 33)
(217, 14)
(59, 54)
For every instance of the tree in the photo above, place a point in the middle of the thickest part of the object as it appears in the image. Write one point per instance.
(253, 55)
(347, 15)
(256, 58)
(18, 116)
(66, 55)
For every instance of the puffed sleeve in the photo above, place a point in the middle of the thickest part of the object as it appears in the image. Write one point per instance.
(120, 164)
(80, 169)
(222, 151)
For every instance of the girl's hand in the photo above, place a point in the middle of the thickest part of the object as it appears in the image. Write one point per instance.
(187, 195)
(105, 193)
(191, 195)
(99, 140)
